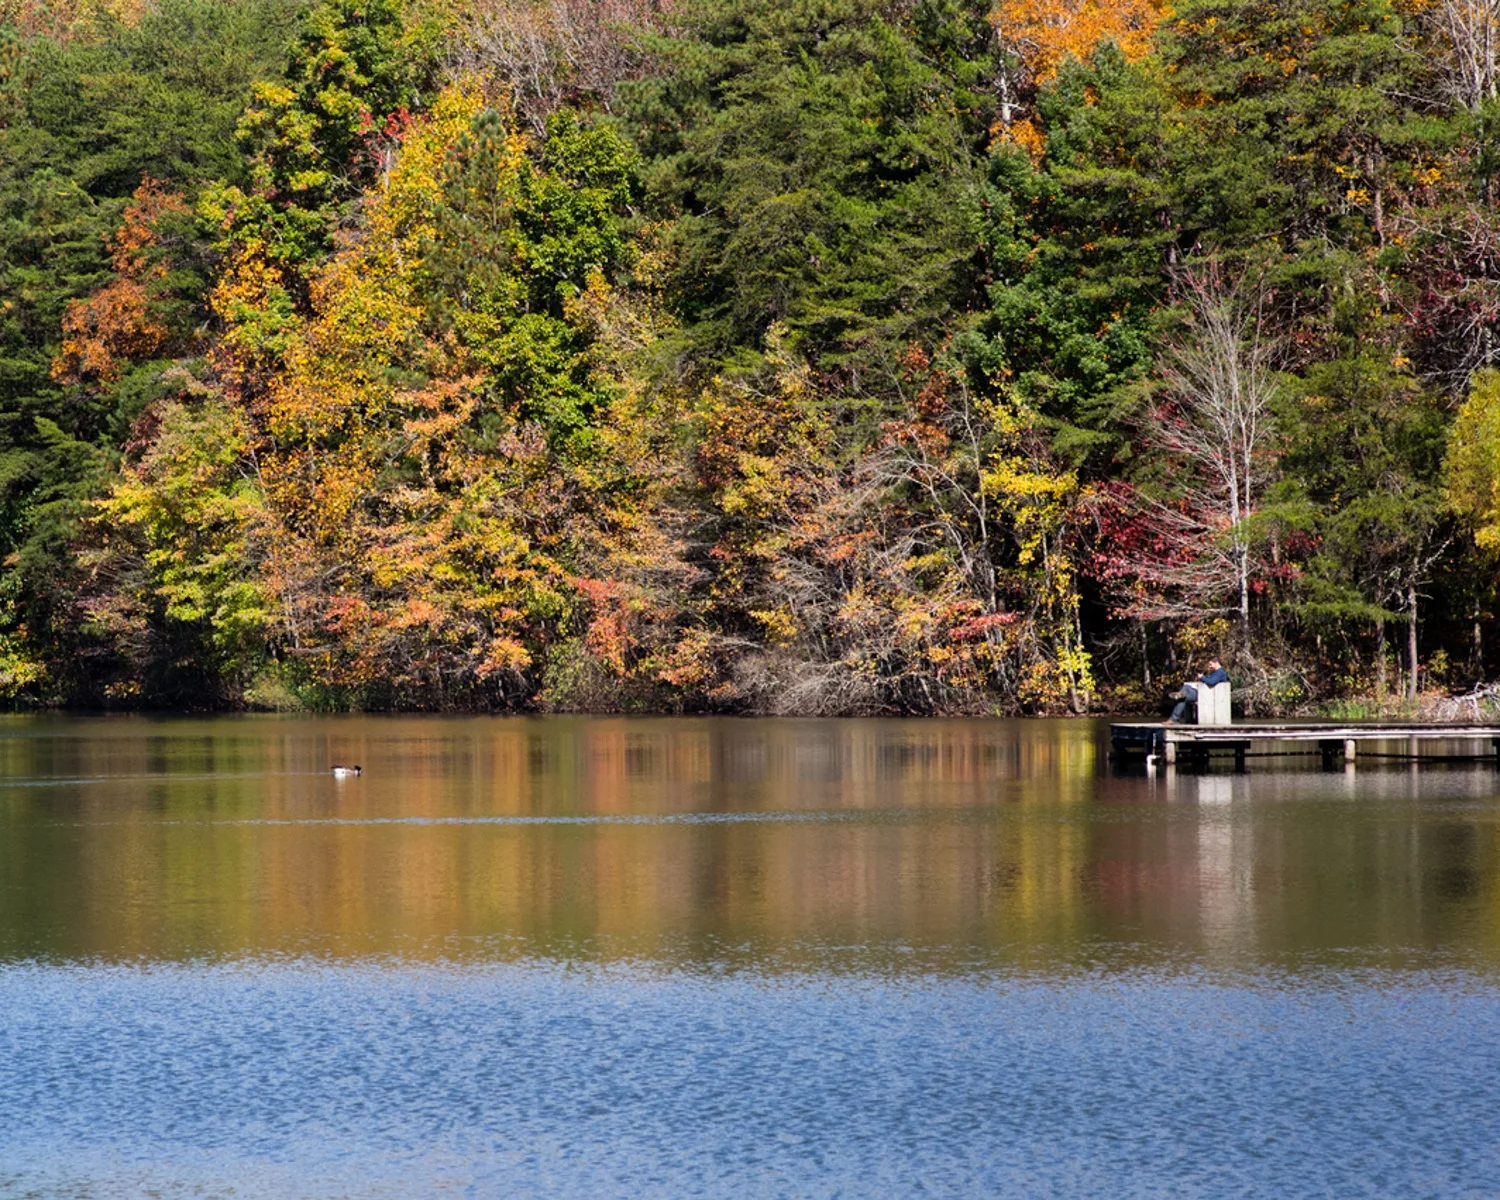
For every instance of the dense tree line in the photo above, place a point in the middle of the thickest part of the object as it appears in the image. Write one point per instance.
(746, 355)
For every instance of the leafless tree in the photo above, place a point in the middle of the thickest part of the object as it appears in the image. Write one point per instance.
(1211, 421)
(1465, 35)
(554, 52)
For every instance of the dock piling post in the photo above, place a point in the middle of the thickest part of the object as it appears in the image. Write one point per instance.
(1350, 749)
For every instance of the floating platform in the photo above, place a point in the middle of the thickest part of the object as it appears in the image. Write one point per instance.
(1169, 744)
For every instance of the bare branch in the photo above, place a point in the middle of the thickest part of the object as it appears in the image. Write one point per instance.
(1212, 419)
(556, 52)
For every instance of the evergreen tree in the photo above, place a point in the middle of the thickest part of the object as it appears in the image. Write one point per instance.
(823, 175)
(1080, 243)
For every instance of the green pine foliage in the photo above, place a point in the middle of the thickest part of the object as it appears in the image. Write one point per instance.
(822, 174)
(1078, 244)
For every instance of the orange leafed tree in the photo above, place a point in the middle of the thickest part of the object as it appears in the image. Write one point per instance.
(1046, 32)
(116, 324)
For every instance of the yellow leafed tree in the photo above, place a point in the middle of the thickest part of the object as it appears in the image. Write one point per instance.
(1043, 505)
(399, 560)
(1473, 460)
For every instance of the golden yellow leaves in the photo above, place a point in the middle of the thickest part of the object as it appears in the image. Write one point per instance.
(1043, 504)
(779, 625)
(1472, 468)
(1045, 33)
(254, 301)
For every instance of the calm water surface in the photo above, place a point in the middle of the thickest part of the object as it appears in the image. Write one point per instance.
(564, 957)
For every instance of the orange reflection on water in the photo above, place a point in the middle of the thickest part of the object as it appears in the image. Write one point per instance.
(716, 840)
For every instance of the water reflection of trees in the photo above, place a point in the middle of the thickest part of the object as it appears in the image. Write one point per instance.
(962, 842)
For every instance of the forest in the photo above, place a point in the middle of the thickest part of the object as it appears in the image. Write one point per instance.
(765, 356)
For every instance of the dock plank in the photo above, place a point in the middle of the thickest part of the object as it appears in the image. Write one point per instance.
(1293, 733)
(1159, 739)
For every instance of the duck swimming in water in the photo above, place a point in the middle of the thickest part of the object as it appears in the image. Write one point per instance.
(346, 772)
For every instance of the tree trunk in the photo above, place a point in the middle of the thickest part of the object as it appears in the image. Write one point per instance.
(1082, 657)
(1145, 660)
(1005, 105)
(1476, 652)
(1073, 702)
(1411, 641)
(1380, 680)
(1245, 601)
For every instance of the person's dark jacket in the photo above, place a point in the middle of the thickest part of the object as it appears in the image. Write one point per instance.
(1213, 677)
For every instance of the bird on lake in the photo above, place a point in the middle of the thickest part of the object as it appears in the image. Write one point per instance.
(346, 772)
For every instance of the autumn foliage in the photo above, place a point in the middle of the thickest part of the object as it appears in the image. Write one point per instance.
(835, 356)
(118, 324)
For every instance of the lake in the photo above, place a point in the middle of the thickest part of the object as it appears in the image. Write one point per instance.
(679, 957)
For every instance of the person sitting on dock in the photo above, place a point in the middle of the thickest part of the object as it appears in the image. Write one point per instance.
(1189, 694)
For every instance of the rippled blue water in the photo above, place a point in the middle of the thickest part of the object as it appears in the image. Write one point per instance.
(319, 1080)
(735, 959)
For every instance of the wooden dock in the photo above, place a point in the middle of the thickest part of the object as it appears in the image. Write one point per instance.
(1169, 744)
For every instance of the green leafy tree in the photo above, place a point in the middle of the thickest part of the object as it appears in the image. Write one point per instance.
(356, 71)
(1363, 450)
(173, 553)
(516, 237)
